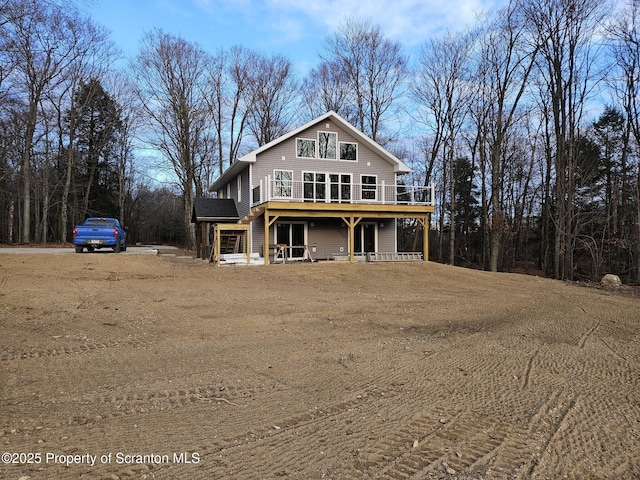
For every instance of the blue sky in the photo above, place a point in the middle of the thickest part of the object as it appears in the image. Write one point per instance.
(294, 28)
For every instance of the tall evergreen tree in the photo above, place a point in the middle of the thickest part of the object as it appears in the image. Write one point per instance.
(98, 125)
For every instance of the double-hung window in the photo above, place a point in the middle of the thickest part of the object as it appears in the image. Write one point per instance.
(314, 186)
(340, 187)
(283, 183)
(369, 187)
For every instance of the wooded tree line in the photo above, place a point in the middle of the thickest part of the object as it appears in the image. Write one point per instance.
(527, 123)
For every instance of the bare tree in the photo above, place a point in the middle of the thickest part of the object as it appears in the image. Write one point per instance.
(42, 44)
(171, 76)
(564, 29)
(131, 119)
(442, 90)
(274, 94)
(232, 101)
(374, 67)
(507, 59)
(93, 52)
(327, 88)
(624, 44)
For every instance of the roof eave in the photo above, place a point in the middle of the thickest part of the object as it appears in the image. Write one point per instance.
(234, 169)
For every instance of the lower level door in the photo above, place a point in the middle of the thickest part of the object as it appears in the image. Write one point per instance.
(293, 236)
(365, 236)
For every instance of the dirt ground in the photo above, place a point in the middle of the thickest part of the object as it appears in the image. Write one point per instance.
(122, 366)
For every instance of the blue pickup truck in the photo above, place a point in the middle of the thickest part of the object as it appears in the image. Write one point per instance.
(97, 233)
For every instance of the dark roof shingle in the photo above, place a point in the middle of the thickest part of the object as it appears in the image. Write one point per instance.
(214, 210)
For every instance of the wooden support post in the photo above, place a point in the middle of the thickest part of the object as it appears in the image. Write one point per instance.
(268, 221)
(425, 237)
(218, 236)
(245, 238)
(352, 240)
(204, 240)
(351, 223)
(425, 240)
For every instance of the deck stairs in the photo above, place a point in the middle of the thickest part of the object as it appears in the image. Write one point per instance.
(229, 244)
(253, 214)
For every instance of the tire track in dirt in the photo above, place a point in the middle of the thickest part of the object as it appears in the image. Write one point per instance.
(96, 408)
(308, 433)
(588, 334)
(138, 341)
(591, 426)
(521, 448)
(437, 440)
(527, 370)
(438, 446)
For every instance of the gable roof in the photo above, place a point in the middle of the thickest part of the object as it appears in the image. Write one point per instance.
(241, 163)
(214, 210)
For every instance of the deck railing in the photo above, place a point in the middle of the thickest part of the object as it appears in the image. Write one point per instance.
(270, 189)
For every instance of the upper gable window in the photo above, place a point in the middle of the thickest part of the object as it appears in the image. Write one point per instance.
(349, 151)
(305, 148)
(327, 145)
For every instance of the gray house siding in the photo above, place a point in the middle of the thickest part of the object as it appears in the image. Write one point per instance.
(328, 236)
(257, 236)
(283, 157)
(243, 201)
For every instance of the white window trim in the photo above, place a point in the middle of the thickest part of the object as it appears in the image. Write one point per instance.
(326, 186)
(340, 184)
(315, 149)
(288, 222)
(357, 152)
(239, 188)
(275, 180)
(374, 189)
(337, 146)
(375, 234)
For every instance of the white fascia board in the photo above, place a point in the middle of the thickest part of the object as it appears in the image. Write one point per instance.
(230, 173)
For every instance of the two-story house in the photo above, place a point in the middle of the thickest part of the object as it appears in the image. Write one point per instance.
(323, 190)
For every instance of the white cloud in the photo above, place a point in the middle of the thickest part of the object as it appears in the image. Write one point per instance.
(410, 22)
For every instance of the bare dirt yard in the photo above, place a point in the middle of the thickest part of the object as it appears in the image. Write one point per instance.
(119, 366)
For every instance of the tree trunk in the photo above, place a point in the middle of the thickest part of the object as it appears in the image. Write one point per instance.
(497, 216)
(12, 206)
(452, 210)
(64, 202)
(26, 170)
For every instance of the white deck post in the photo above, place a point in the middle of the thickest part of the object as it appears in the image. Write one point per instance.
(268, 192)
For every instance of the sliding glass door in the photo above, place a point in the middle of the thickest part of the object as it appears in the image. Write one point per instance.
(293, 236)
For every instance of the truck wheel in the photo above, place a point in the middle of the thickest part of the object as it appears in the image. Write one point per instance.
(116, 248)
(124, 247)
(79, 249)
